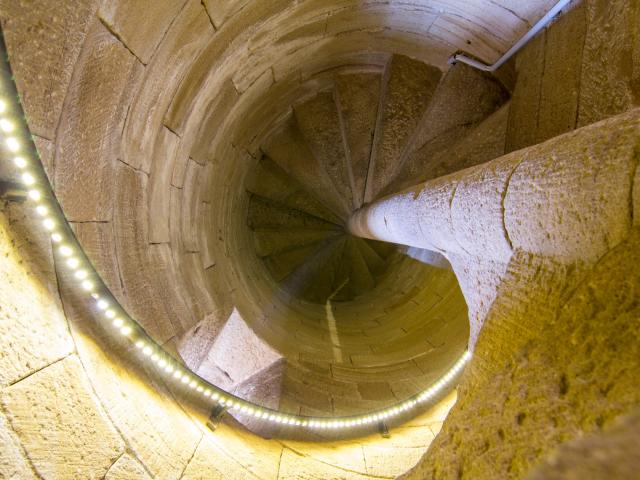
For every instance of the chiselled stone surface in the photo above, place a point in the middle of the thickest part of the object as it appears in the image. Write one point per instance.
(359, 98)
(152, 423)
(43, 61)
(127, 468)
(564, 175)
(560, 86)
(219, 11)
(65, 420)
(611, 454)
(408, 86)
(33, 330)
(320, 123)
(140, 25)
(13, 463)
(523, 115)
(88, 141)
(610, 72)
(543, 393)
(186, 37)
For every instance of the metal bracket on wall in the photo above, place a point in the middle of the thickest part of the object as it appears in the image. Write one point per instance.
(216, 415)
(12, 191)
(384, 430)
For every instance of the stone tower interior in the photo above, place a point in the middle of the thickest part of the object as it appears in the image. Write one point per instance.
(328, 251)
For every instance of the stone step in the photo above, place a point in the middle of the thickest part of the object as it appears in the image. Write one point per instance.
(321, 285)
(320, 123)
(287, 147)
(309, 279)
(374, 262)
(272, 182)
(481, 143)
(451, 116)
(407, 89)
(271, 241)
(358, 98)
(265, 213)
(360, 277)
(282, 264)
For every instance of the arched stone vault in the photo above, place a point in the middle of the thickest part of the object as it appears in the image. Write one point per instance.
(150, 119)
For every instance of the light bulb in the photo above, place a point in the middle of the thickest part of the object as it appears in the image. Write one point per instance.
(42, 210)
(110, 314)
(13, 144)
(49, 224)
(34, 195)
(118, 322)
(102, 304)
(28, 179)
(65, 251)
(147, 350)
(140, 344)
(126, 330)
(6, 125)
(81, 274)
(56, 237)
(20, 162)
(87, 285)
(3, 106)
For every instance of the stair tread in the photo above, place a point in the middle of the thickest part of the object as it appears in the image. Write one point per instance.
(265, 213)
(282, 264)
(374, 262)
(361, 279)
(272, 182)
(321, 285)
(270, 241)
(449, 117)
(481, 142)
(320, 124)
(359, 96)
(300, 280)
(408, 87)
(287, 147)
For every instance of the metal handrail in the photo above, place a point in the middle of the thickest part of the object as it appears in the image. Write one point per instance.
(543, 22)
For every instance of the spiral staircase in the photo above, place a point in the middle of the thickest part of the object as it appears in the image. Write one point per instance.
(370, 131)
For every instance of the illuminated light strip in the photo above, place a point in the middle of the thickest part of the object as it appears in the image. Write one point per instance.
(16, 143)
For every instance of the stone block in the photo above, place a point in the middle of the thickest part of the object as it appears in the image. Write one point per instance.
(560, 87)
(33, 328)
(184, 40)
(607, 84)
(127, 468)
(143, 410)
(564, 186)
(55, 410)
(43, 61)
(141, 26)
(88, 143)
(13, 462)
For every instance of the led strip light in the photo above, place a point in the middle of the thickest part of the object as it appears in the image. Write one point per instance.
(18, 146)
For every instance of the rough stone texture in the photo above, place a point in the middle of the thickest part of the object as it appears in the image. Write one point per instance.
(91, 125)
(26, 306)
(541, 392)
(523, 115)
(43, 60)
(609, 80)
(127, 468)
(449, 117)
(560, 85)
(238, 353)
(140, 25)
(13, 463)
(221, 10)
(609, 455)
(358, 96)
(408, 86)
(188, 34)
(320, 123)
(563, 175)
(65, 420)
